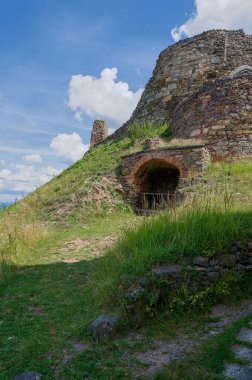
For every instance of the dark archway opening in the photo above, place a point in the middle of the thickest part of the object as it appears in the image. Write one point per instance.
(157, 181)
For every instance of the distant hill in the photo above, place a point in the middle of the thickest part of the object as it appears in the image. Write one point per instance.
(5, 204)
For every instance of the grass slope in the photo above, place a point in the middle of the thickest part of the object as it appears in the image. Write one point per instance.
(46, 303)
(214, 216)
(71, 195)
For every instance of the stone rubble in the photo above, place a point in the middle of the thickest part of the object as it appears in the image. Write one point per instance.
(103, 327)
(28, 376)
(241, 371)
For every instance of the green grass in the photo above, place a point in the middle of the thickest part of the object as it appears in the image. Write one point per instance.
(208, 223)
(47, 304)
(208, 362)
(70, 195)
(138, 133)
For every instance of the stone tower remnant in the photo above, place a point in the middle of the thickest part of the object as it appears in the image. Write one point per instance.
(99, 132)
(202, 88)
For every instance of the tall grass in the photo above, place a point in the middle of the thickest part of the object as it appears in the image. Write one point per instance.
(207, 223)
(140, 132)
(19, 232)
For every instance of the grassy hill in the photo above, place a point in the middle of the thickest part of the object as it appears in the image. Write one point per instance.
(91, 184)
(70, 249)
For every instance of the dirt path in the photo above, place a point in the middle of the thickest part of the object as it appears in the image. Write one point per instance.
(241, 352)
(165, 352)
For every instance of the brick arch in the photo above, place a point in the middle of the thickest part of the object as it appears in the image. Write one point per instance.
(162, 157)
(245, 69)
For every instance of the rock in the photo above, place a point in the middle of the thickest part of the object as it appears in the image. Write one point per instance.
(201, 269)
(213, 276)
(238, 372)
(143, 282)
(166, 271)
(243, 353)
(103, 327)
(245, 336)
(227, 260)
(153, 143)
(249, 245)
(245, 260)
(28, 376)
(201, 261)
(71, 261)
(240, 245)
(67, 358)
(80, 347)
(134, 294)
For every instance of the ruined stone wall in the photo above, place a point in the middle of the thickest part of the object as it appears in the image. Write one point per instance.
(183, 68)
(221, 114)
(188, 159)
(99, 132)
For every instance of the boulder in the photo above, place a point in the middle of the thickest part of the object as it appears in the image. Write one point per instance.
(103, 327)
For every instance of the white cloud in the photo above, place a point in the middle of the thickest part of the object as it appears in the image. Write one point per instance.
(216, 14)
(25, 178)
(2, 162)
(32, 158)
(111, 130)
(70, 147)
(102, 97)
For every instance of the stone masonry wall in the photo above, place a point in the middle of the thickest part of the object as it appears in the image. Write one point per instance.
(188, 159)
(99, 132)
(221, 114)
(200, 273)
(183, 68)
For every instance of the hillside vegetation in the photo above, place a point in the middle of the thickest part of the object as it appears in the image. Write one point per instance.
(71, 249)
(213, 217)
(91, 184)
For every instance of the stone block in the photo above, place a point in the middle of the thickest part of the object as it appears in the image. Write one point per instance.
(166, 271)
(201, 261)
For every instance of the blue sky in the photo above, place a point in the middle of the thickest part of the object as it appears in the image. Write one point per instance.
(51, 53)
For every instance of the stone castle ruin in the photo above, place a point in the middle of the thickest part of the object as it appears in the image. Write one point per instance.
(201, 87)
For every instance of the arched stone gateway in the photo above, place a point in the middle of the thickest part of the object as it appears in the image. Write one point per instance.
(152, 179)
(241, 71)
(156, 180)
(157, 176)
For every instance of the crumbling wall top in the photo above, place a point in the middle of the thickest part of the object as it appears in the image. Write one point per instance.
(99, 132)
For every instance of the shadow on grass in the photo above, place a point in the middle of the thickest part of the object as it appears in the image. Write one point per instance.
(44, 308)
